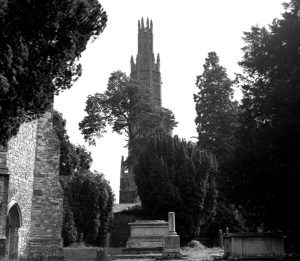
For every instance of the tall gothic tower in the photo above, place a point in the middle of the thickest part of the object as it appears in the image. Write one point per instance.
(146, 70)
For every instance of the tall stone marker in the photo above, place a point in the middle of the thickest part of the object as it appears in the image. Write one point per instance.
(172, 240)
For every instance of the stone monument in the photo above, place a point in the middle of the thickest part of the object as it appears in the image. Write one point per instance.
(172, 240)
(147, 236)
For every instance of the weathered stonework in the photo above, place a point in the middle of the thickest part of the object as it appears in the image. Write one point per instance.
(32, 196)
(3, 199)
(146, 236)
(20, 163)
(45, 231)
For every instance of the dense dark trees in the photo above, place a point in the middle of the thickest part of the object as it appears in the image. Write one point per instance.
(259, 173)
(40, 44)
(265, 166)
(88, 197)
(175, 175)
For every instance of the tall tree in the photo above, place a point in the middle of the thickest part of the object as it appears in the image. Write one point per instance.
(216, 112)
(127, 107)
(216, 125)
(266, 165)
(40, 44)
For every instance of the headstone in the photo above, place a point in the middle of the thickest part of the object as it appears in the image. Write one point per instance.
(172, 240)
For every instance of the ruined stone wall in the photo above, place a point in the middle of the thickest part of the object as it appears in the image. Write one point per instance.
(30, 179)
(47, 213)
(20, 163)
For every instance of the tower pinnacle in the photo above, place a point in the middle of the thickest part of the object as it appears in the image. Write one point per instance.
(142, 23)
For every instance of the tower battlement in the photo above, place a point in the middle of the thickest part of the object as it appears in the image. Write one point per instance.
(148, 27)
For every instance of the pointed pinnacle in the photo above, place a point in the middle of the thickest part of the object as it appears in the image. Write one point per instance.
(143, 23)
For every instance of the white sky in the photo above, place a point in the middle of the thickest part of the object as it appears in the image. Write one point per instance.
(184, 32)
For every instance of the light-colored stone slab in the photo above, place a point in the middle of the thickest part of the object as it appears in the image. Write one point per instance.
(147, 234)
(246, 245)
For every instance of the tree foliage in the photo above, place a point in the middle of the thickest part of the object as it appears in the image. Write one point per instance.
(216, 125)
(74, 159)
(127, 107)
(216, 112)
(40, 44)
(266, 163)
(88, 197)
(175, 175)
(92, 201)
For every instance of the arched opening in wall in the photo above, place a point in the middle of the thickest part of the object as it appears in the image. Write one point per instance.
(13, 225)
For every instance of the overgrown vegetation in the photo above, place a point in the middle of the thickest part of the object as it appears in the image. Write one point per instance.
(259, 173)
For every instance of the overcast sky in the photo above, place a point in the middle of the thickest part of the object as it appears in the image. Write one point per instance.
(183, 33)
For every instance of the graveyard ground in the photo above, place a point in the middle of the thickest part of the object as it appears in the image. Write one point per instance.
(89, 254)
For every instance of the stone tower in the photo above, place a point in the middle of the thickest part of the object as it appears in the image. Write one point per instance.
(146, 70)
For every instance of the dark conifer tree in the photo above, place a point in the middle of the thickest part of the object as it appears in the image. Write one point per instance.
(266, 166)
(40, 44)
(169, 179)
(216, 112)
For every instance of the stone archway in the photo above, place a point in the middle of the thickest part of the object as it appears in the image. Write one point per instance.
(13, 224)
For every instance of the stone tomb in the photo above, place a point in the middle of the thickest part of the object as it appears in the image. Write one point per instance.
(147, 236)
(241, 246)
